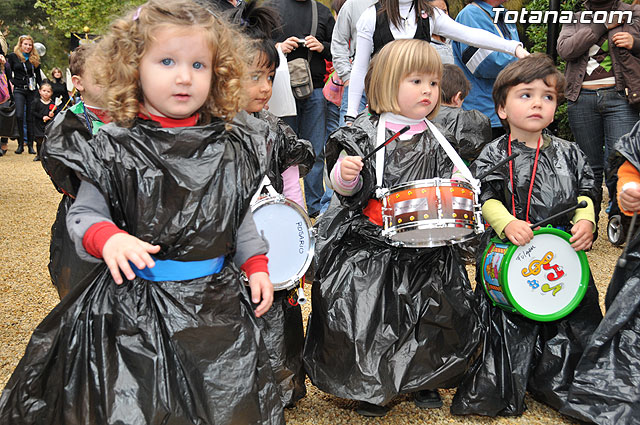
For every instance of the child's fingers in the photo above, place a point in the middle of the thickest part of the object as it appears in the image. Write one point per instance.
(115, 270)
(123, 263)
(267, 301)
(138, 259)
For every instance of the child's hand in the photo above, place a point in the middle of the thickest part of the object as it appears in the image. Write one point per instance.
(46, 118)
(630, 197)
(261, 288)
(582, 233)
(51, 114)
(518, 232)
(350, 167)
(122, 248)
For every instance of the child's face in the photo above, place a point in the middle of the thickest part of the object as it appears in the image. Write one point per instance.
(46, 93)
(529, 107)
(259, 87)
(418, 95)
(175, 72)
(86, 85)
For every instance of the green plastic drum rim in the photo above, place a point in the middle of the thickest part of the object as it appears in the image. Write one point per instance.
(495, 240)
(582, 288)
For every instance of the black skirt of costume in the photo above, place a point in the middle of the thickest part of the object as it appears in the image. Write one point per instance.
(281, 326)
(66, 268)
(145, 352)
(520, 354)
(386, 320)
(606, 386)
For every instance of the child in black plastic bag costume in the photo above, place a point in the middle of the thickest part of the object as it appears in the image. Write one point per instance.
(289, 159)
(385, 320)
(176, 340)
(550, 175)
(606, 385)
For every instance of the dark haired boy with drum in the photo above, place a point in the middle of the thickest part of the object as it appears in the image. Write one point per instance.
(536, 333)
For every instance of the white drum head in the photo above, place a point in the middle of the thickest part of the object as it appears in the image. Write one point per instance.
(287, 229)
(540, 290)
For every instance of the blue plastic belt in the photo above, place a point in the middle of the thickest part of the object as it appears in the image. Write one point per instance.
(179, 270)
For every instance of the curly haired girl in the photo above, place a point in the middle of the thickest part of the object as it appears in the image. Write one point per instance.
(164, 200)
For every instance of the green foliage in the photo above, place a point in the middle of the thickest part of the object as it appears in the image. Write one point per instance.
(537, 42)
(80, 16)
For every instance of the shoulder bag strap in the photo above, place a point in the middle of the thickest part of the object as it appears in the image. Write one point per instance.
(314, 26)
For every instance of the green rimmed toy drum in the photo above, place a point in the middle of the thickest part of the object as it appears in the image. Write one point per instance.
(543, 280)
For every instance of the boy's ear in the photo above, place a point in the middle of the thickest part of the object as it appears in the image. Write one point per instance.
(457, 100)
(502, 113)
(76, 80)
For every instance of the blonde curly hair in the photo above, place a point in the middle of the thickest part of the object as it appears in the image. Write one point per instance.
(117, 58)
(34, 57)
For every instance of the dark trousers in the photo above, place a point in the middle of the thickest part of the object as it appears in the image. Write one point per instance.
(23, 99)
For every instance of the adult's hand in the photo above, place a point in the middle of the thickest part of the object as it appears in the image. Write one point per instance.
(313, 44)
(288, 45)
(623, 39)
(521, 52)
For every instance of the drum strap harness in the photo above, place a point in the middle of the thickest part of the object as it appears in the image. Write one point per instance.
(444, 143)
(533, 178)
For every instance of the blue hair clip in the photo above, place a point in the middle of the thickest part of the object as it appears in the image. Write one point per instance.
(137, 14)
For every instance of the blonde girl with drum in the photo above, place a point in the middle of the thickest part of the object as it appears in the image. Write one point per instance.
(388, 320)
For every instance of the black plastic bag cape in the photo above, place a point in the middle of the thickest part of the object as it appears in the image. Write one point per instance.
(471, 129)
(283, 334)
(606, 386)
(66, 268)
(386, 320)
(520, 354)
(285, 149)
(281, 326)
(144, 352)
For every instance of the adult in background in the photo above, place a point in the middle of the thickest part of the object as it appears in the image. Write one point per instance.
(4, 49)
(391, 20)
(343, 47)
(481, 66)
(310, 122)
(24, 75)
(59, 86)
(603, 84)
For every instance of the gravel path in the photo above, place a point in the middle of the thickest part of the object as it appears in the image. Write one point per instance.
(28, 203)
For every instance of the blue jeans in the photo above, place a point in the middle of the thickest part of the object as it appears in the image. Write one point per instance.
(345, 104)
(310, 124)
(598, 118)
(23, 99)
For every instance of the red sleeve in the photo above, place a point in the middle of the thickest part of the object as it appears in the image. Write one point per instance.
(97, 235)
(257, 263)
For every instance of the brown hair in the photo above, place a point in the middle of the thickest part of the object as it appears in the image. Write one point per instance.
(394, 62)
(392, 9)
(453, 81)
(537, 66)
(34, 57)
(120, 51)
(78, 58)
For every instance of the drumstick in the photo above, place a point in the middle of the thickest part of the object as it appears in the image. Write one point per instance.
(581, 204)
(622, 261)
(389, 140)
(498, 165)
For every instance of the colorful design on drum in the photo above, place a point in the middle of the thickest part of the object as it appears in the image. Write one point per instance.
(534, 266)
(491, 270)
(545, 262)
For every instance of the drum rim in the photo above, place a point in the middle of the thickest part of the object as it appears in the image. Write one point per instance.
(577, 299)
(415, 184)
(281, 199)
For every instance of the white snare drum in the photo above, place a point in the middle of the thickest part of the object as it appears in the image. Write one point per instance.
(291, 239)
(431, 212)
